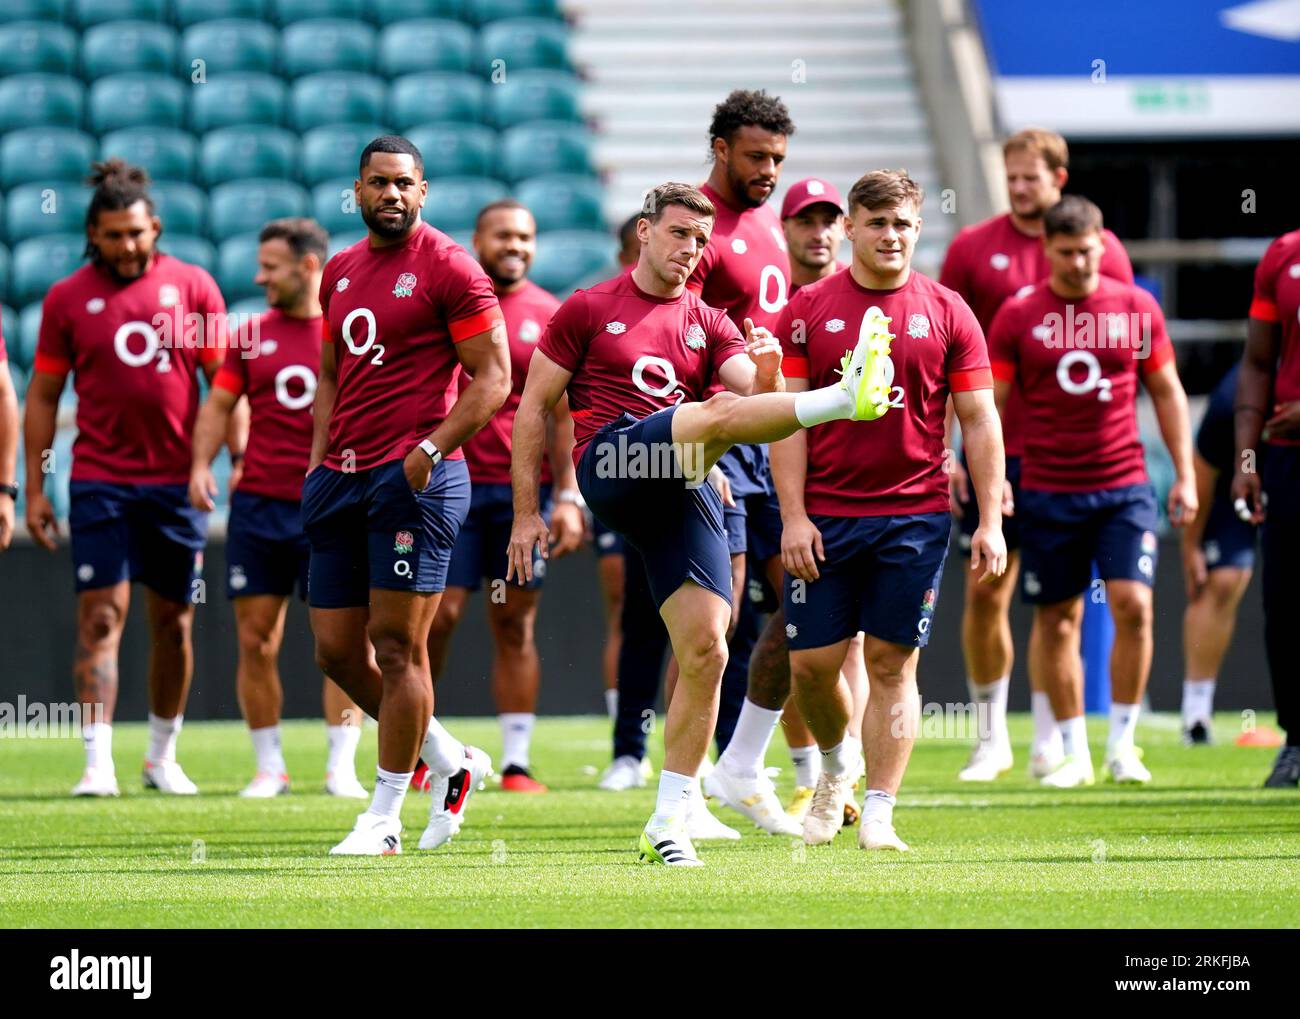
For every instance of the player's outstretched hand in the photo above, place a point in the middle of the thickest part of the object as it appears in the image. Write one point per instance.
(958, 487)
(41, 521)
(988, 548)
(1248, 500)
(764, 350)
(6, 523)
(567, 529)
(203, 489)
(801, 549)
(1183, 502)
(526, 533)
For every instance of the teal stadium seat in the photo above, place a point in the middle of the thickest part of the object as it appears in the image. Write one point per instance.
(244, 206)
(87, 13)
(423, 44)
(5, 322)
(41, 262)
(566, 258)
(40, 100)
(563, 201)
(8, 315)
(227, 46)
(336, 97)
(525, 44)
(236, 267)
(421, 98)
(29, 333)
(534, 95)
(344, 240)
(254, 150)
(326, 44)
(334, 206)
(405, 10)
(29, 47)
(456, 150)
(453, 202)
(36, 154)
(248, 306)
(135, 100)
(34, 210)
(545, 146)
(183, 208)
(335, 150)
(231, 99)
(484, 11)
(34, 10)
(188, 248)
(167, 154)
(285, 12)
(190, 12)
(119, 47)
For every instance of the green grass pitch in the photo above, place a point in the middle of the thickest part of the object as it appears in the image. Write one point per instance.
(1202, 846)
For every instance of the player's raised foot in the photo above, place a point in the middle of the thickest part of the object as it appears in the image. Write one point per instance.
(515, 779)
(421, 777)
(451, 796)
(667, 844)
(1073, 771)
(345, 785)
(97, 782)
(988, 760)
(168, 777)
(865, 368)
(754, 797)
(623, 773)
(799, 802)
(1044, 761)
(1286, 769)
(372, 835)
(825, 814)
(702, 826)
(1198, 734)
(1126, 767)
(880, 835)
(265, 786)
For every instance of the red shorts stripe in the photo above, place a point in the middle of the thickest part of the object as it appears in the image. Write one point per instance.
(976, 378)
(229, 380)
(464, 328)
(1265, 311)
(50, 364)
(794, 367)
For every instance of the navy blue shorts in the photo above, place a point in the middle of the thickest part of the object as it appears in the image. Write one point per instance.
(266, 551)
(368, 529)
(607, 542)
(1062, 534)
(145, 533)
(1228, 540)
(632, 481)
(971, 511)
(881, 575)
(481, 546)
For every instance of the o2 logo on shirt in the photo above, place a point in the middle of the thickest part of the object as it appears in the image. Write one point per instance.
(372, 330)
(304, 375)
(153, 348)
(1092, 381)
(670, 384)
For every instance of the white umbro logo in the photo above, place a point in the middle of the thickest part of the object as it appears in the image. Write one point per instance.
(168, 295)
(1026, 290)
(791, 631)
(999, 261)
(85, 573)
(816, 187)
(529, 331)
(1041, 331)
(835, 325)
(342, 284)
(268, 347)
(739, 246)
(95, 305)
(615, 327)
(1294, 271)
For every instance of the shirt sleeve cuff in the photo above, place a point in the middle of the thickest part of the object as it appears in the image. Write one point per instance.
(229, 380)
(794, 367)
(1160, 357)
(463, 329)
(1265, 311)
(976, 378)
(325, 330)
(50, 364)
(1004, 371)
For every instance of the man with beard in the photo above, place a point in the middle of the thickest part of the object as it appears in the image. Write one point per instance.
(272, 361)
(505, 240)
(119, 325)
(388, 489)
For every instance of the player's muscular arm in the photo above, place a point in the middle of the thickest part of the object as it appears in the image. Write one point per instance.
(327, 388)
(1250, 410)
(1194, 566)
(8, 452)
(43, 393)
(981, 429)
(759, 369)
(236, 422)
(486, 358)
(210, 429)
(567, 523)
(1171, 412)
(801, 542)
(542, 392)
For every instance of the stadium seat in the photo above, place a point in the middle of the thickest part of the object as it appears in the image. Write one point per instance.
(566, 257)
(5, 322)
(29, 47)
(254, 150)
(420, 98)
(249, 306)
(227, 46)
(135, 100)
(286, 12)
(188, 248)
(525, 44)
(344, 240)
(119, 47)
(29, 333)
(336, 97)
(534, 95)
(190, 12)
(166, 153)
(406, 10)
(244, 206)
(183, 208)
(563, 201)
(232, 99)
(95, 12)
(453, 202)
(38, 154)
(541, 147)
(484, 11)
(34, 10)
(41, 262)
(40, 100)
(236, 267)
(424, 44)
(326, 44)
(34, 210)
(456, 150)
(334, 206)
(335, 150)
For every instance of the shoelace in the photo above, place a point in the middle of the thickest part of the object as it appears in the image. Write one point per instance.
(824, 797)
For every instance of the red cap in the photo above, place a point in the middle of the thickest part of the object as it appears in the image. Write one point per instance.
(810, 191)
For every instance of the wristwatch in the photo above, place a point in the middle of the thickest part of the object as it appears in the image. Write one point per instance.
(571, 495)
(434, 453)
(10, 490)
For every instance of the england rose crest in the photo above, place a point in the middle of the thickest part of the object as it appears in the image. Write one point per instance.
(403, 542)
(405, 285)
(695, 337)
(918, 327)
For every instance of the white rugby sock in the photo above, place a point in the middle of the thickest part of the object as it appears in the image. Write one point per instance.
(1074, 737)
(817, 406)
(838, 760)
(390, 791)
(162, 737)
(97, 738)
(878, 805)
(1047, 733)
(341, 758)
(441, 751)
(1198, 701)
(991, 707)
(673, 799)
(748, 747)
(1123, 726)
(516, 737)
(807, 765)
(266, 745)
(611, 704)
